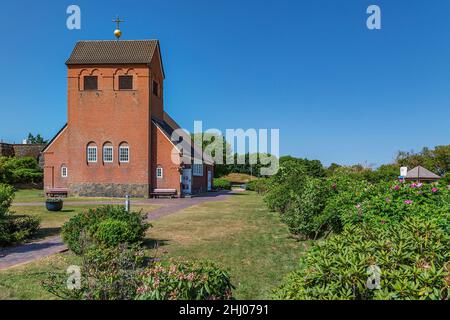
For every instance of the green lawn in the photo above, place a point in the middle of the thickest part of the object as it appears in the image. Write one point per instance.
(238, 233)
(24, 282)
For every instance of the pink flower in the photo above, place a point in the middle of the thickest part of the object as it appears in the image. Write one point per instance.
(190, 276)
(434, 190)
(413, 185)
(419, 185)
(156, 283)
(396, 187)
(408, 202)
(334, 185)
(358, 206)
(383, 222)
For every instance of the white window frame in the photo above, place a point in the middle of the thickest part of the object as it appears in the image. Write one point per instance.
(127, 153)
(197, 170)
(159, 172)
(64, 172)
(90, 156)
(112, 154)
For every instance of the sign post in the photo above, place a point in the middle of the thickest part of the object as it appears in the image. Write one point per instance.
(127, 203)
(403, 173)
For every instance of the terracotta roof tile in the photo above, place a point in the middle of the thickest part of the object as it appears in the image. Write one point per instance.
(113, 52)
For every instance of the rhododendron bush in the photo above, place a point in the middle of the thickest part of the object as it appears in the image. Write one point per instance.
(385, 240)
(319, 206)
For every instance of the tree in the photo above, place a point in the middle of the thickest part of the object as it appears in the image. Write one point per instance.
(437, 159)
(38, 139)
(313, 168)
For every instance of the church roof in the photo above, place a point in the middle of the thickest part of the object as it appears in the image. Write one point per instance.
(196, 152)
(420, 172)
(113, 52)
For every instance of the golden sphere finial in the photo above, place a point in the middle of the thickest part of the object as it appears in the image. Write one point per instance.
(117, 33)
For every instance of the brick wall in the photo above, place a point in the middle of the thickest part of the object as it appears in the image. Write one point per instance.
(162, 150)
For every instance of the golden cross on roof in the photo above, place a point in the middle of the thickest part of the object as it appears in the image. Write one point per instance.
(118, 32)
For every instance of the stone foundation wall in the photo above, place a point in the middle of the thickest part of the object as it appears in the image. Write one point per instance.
(109, 190)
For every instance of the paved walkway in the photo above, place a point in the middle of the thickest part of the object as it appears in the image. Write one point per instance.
(10, 257)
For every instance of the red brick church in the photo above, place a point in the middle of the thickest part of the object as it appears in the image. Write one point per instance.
(118, 138)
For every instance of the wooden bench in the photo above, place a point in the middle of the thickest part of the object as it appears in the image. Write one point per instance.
(56, 192)
(163, 193)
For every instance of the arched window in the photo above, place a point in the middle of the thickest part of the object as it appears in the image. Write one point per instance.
(91, 152)
(64, 171)
(125, 79)
(124, 153)
(159, 172)
(89, 80)
(108, 152)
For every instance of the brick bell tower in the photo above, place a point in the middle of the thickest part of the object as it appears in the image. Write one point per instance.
(117, 139)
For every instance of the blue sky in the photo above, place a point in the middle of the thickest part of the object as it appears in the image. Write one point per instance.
(337, 91)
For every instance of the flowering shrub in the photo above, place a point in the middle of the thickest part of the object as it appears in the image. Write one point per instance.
(185, 280)
(394, 202)
(315, 206)
(125, 273)
(106, 274)
(106, 226)
(412, 257)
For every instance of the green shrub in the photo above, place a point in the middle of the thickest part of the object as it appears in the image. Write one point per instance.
(445, 181)
(113, 232)
(85, 228)
(106, 274)
(201, 280)
(317, 205)
(24, 175)
(302, 212)
(285, 185)
(412, 255)
(222, 184)
(15, 229)
(6, 198)
(258, 185)
(20, 170)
